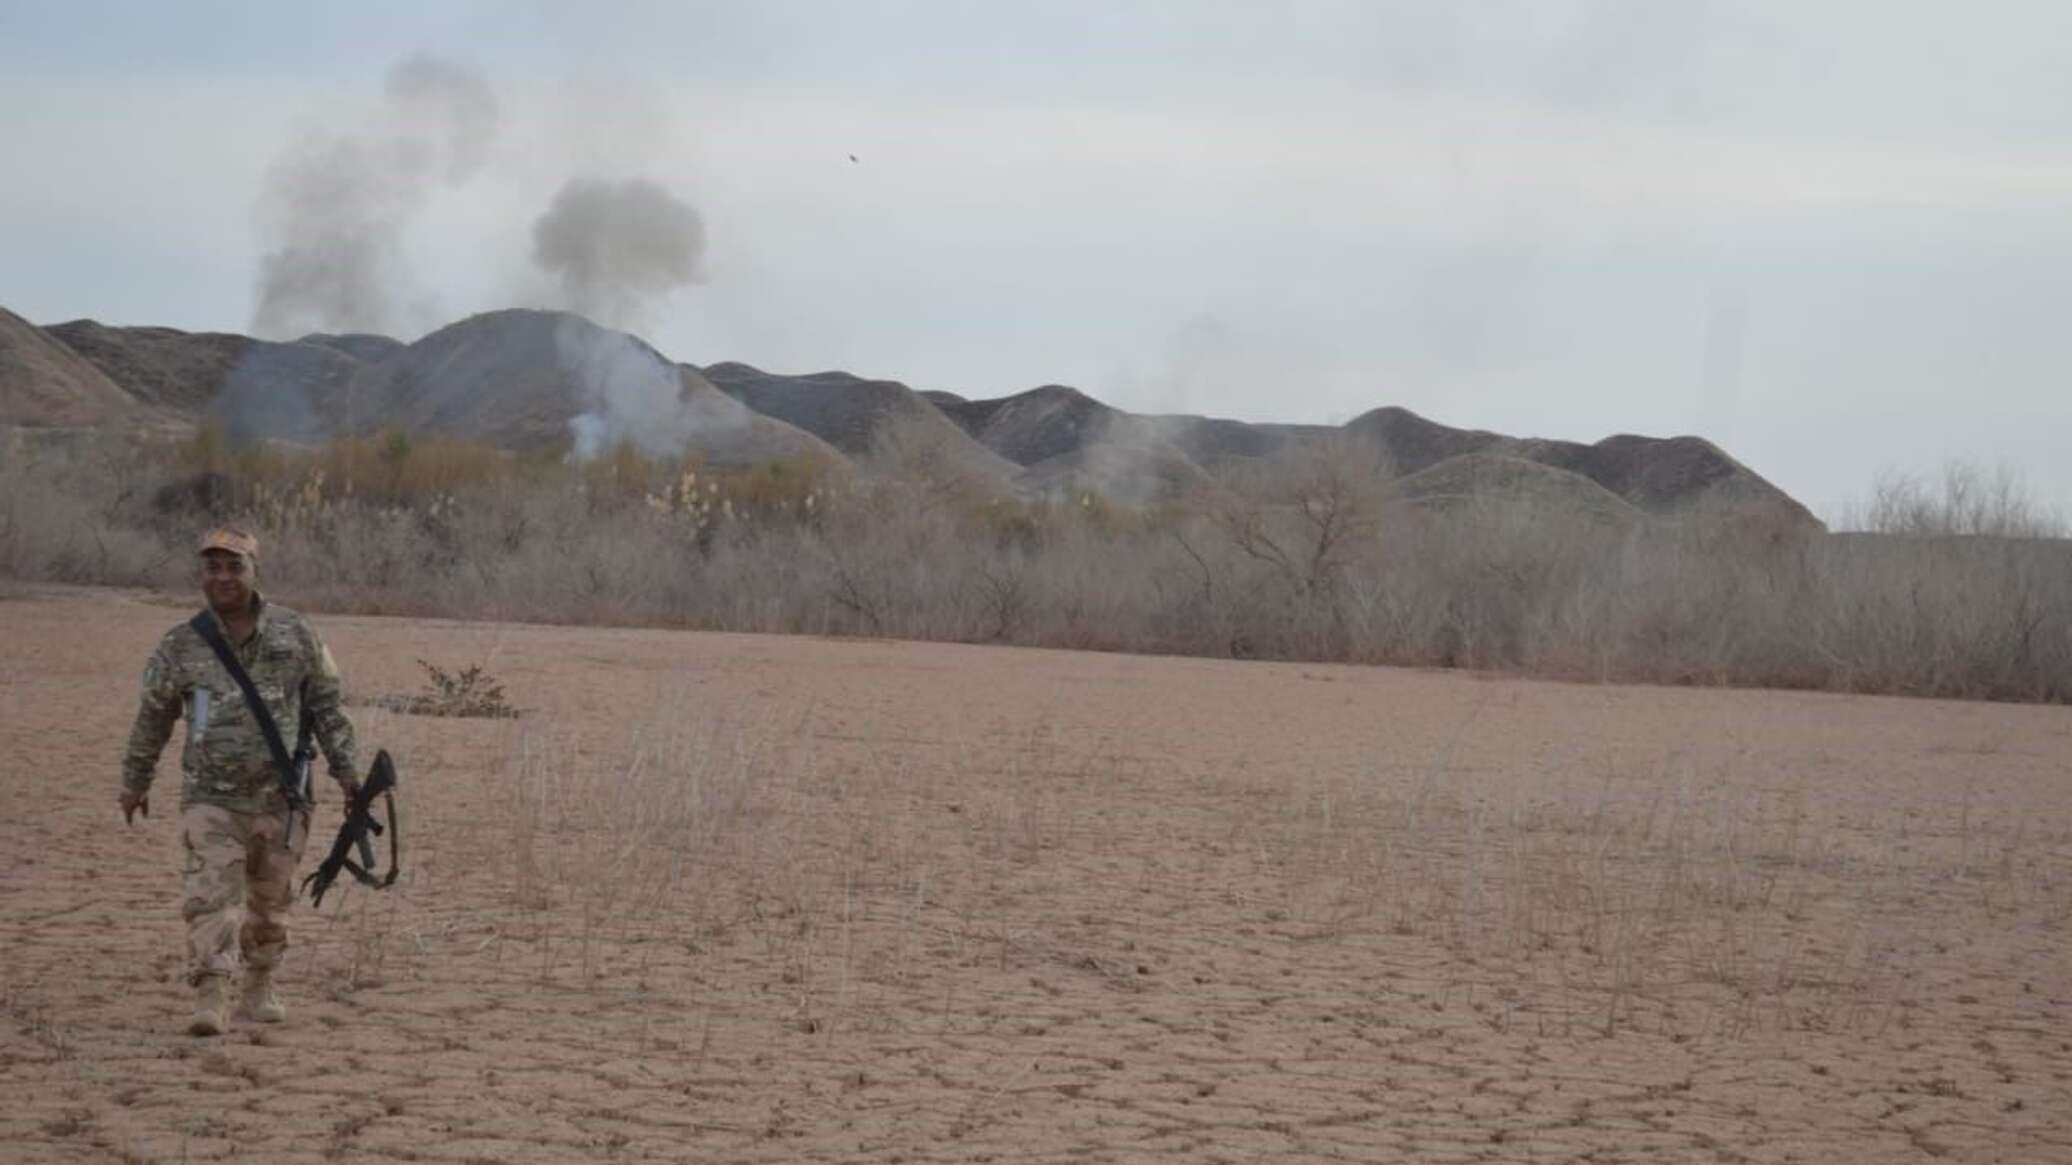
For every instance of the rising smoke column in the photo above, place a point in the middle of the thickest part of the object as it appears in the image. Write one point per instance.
(630, 393)
(613, 246)
(340, 196)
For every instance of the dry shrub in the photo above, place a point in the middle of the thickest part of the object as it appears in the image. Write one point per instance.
(1306, 556)
(78, 511)
(1966, 501)
(469, 692)
(393, 468)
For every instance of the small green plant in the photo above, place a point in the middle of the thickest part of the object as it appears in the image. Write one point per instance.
(471, 692)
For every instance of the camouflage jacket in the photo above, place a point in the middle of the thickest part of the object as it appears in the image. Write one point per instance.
(225, 761)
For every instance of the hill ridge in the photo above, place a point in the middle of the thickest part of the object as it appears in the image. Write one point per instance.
(532, 378)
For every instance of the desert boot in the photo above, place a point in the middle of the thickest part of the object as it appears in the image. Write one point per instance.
(211, 1007)
(261, 1002)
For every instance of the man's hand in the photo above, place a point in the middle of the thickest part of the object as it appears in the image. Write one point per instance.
(350, 788)
(134, 801)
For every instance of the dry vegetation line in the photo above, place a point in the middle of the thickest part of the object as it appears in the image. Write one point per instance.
(775, 898)
(1316, 553)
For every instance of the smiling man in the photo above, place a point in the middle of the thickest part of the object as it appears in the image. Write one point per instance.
(239, 831)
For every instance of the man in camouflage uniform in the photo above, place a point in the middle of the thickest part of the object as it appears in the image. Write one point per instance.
(240, 839)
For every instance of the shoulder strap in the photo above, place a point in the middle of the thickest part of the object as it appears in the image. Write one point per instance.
(284, 764)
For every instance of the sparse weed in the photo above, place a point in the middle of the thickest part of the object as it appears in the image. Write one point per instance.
(842, 879)
(1667, 901)
(468, 692)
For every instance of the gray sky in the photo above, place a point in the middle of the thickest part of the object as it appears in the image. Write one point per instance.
(1831, 237)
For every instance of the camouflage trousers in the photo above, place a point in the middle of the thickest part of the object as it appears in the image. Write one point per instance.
(238, 883)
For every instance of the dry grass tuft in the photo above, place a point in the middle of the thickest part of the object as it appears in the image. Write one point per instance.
(1670, 901)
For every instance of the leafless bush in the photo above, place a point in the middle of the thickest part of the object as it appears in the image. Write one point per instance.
(1966, 501)
(1304, 557)
(1312, 513)
(1949, 616)
(77, 512)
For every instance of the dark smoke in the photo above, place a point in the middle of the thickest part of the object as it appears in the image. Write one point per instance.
(614, 245)
(340, 197)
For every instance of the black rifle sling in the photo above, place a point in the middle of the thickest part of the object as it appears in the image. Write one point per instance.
(291, 787)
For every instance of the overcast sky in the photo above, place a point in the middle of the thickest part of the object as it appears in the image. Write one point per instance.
(1834, 238)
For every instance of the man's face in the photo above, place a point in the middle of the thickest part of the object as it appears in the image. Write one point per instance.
(226, 581)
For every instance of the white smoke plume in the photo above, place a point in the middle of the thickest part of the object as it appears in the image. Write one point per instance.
(341, 195)
(632, 394)
(614, 246)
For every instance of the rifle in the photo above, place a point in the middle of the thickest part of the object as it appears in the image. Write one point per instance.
(355, 832)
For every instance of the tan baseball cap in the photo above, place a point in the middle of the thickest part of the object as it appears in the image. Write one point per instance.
(231, 538)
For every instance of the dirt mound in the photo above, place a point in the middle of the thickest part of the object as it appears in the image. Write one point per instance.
(1066, 442)
(1411, 443)
(844, 410)
(361, 346)
(262, 390)
(1657, 475)
(526, 379)
(500, 377)
(752, 437)
(1212, 441)
(1492, 479)
(863, 417)
(1037, 425)
(45, 383)
(161, 366)
(1674, 473)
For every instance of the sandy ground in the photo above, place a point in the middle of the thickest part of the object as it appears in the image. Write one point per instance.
(740, 898)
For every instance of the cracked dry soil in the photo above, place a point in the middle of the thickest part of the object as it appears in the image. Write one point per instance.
(747, 898)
